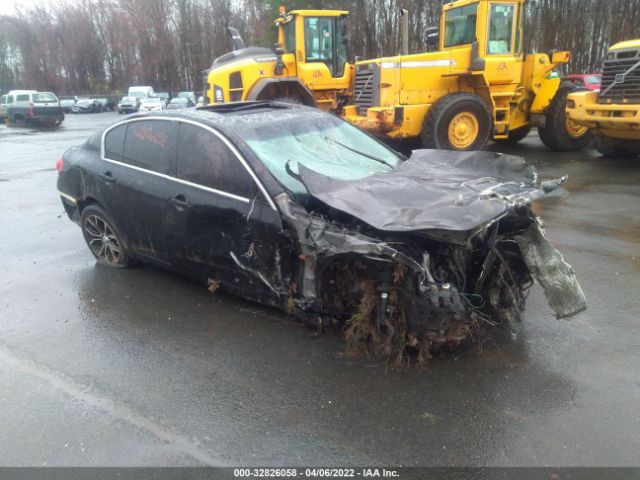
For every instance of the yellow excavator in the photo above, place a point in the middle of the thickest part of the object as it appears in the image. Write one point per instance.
(477, 86)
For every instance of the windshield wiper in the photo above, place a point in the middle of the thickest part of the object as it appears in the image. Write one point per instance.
(364, 154)
(287, 167)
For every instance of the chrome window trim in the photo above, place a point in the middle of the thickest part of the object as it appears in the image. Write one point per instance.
(231, 147)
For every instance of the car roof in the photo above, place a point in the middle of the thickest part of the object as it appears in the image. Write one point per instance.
(226, 115)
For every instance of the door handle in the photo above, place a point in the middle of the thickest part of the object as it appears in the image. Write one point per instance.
(180, 201)
(107, 177)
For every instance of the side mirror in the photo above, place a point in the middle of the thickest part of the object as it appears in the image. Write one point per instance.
(279, 51)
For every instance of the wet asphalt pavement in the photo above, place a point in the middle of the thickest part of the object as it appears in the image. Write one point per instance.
(144, 367)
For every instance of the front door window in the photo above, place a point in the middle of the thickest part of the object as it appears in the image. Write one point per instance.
(501, 29)
(319, 35)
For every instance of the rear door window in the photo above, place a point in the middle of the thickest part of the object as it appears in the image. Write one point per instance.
(113, 142)
(22, 98)
(204, 159)
(151, 144)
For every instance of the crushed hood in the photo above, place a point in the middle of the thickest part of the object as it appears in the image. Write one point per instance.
(443, 193)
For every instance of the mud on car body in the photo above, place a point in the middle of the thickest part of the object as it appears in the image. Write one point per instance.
(295, 208)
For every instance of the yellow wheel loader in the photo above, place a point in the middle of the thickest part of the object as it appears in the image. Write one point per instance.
(478, 85)
(613, 114)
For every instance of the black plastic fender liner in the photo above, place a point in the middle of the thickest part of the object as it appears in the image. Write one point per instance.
(306, 97)
(548, 267)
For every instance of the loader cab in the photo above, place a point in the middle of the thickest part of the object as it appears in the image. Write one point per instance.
(485, 36)
(314, 46)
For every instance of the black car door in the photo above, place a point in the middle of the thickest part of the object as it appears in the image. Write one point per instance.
(220, 223)
(137, 172)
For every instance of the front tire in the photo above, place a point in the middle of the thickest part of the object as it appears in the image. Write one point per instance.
(559, 133)
(616, 147)
(103, 238)
(460, 121)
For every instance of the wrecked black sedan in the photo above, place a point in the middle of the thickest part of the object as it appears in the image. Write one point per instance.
(295, 208)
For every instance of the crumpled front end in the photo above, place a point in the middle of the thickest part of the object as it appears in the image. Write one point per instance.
(418, 287)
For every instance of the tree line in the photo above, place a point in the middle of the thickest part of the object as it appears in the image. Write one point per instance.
(101, 46)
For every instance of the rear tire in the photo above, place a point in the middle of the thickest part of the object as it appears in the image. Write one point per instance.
(515, 136)
(459, 121)
(103, 238)
(616, 147)
(559, 133)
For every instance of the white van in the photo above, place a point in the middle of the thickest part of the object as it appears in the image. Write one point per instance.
(141, 92)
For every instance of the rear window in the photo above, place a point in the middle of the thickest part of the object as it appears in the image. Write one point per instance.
(44, 97)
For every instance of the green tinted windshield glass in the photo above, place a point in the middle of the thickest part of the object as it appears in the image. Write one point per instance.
(460, 25)
(320, 142)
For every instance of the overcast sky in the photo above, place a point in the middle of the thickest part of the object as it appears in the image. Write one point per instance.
(7, 7)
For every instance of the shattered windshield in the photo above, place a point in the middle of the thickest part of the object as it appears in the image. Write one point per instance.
(320, 142)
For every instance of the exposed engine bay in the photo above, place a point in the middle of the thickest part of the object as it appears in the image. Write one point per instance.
(404, 277)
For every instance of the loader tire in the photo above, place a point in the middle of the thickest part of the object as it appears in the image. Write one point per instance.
(515, 136)
(459, 121)
(559, 133)
(616, 147)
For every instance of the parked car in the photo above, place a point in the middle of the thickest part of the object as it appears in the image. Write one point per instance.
(189, 96)
(34, 108)
(164, 96)
(5, 100)
(103, 104)
(67, 104)
(140, 91)
(86, 105)
(590, 81)
(3, 107)
(293, 207)
(151, 104)
(128, 105)
(179, 102)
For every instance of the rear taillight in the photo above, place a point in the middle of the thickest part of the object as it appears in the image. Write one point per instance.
(59, 164)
